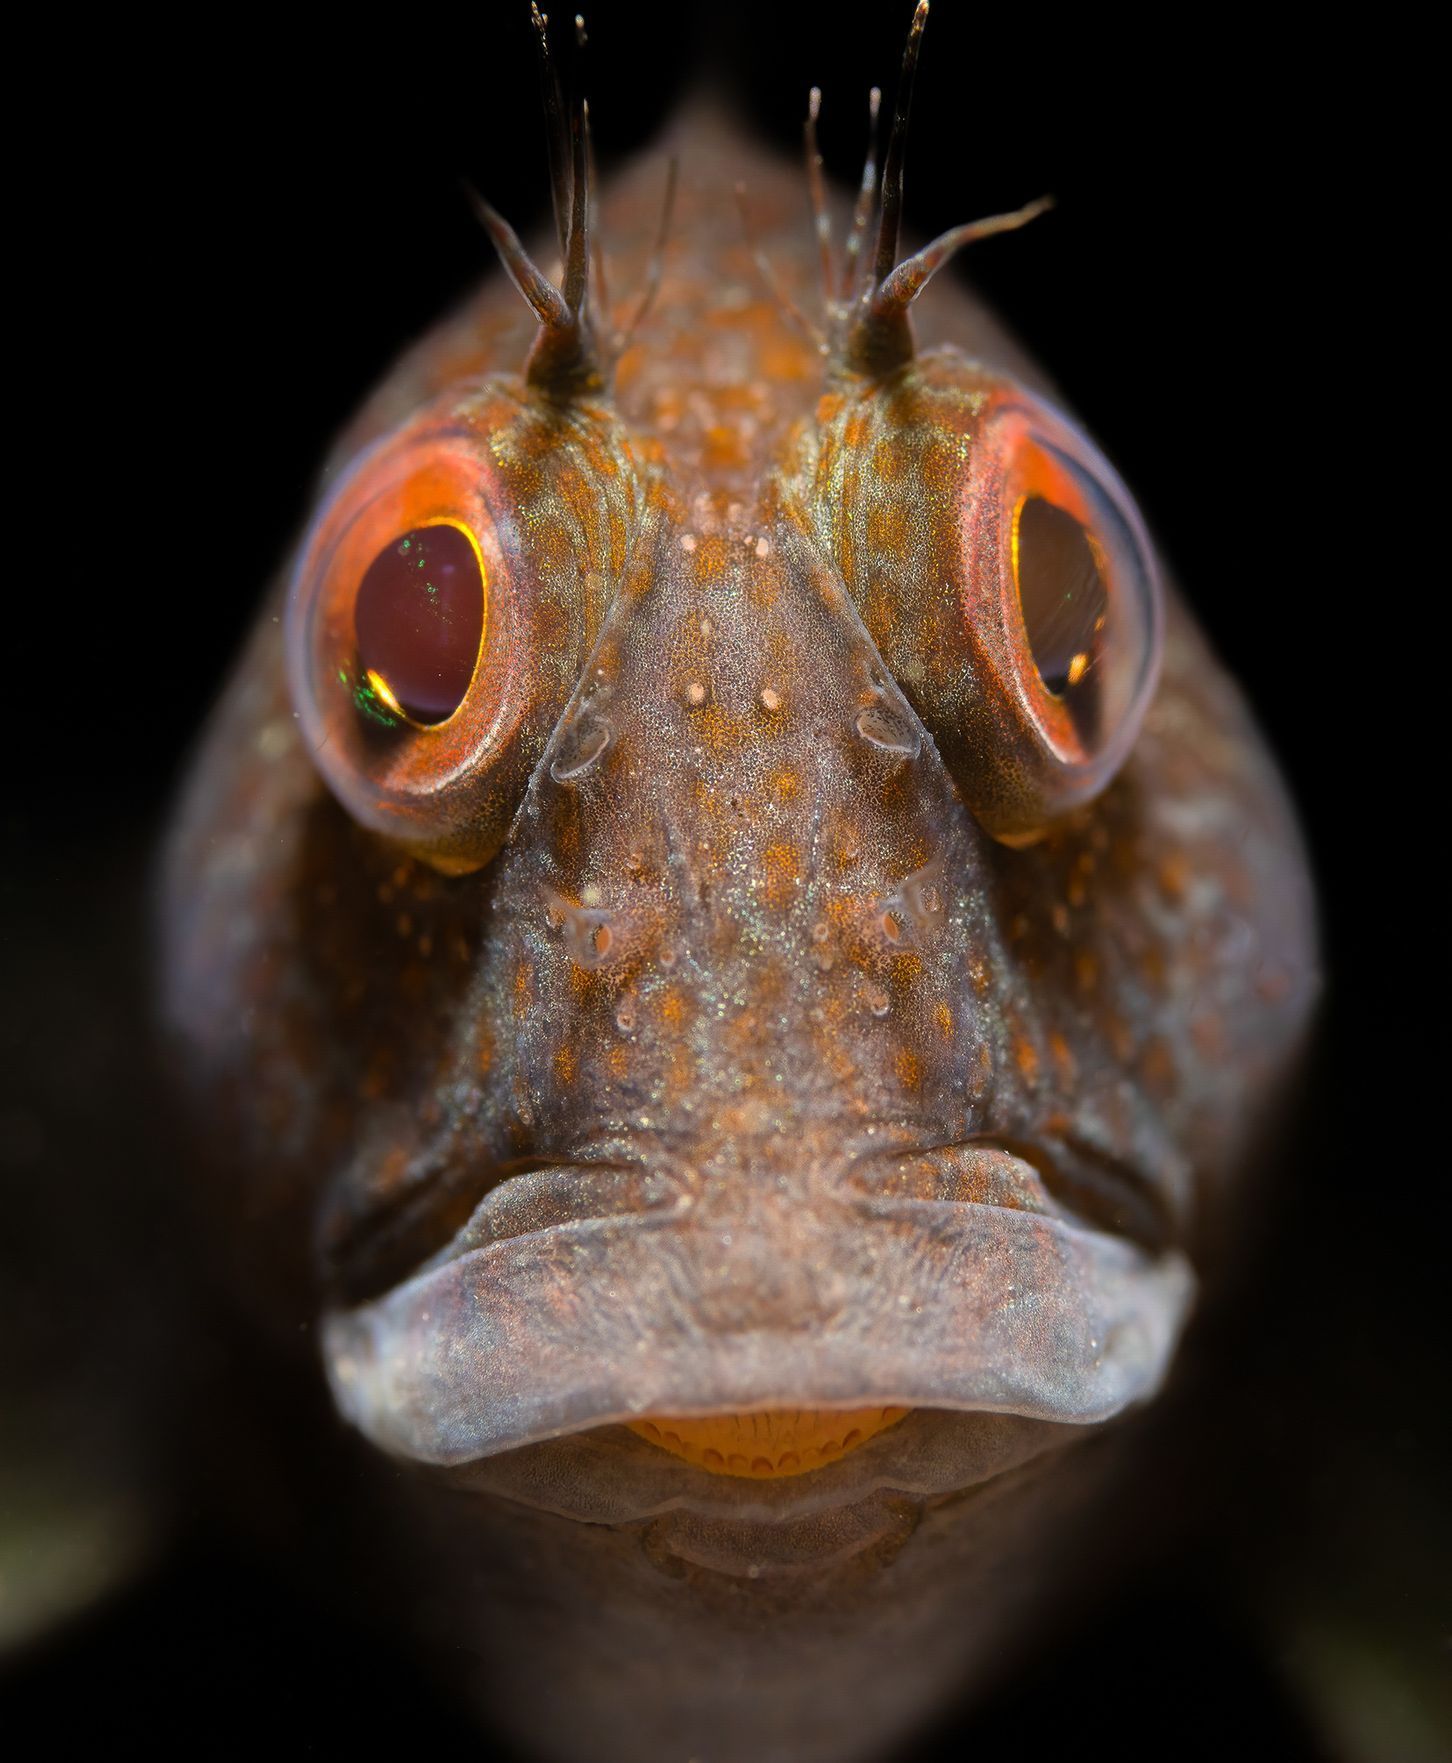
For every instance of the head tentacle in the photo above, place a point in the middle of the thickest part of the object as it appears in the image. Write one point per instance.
(567, 358)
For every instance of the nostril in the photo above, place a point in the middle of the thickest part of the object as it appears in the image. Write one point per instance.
(884, 728)
(584, 743)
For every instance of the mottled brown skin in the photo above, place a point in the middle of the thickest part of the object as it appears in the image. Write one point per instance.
(726, 1025)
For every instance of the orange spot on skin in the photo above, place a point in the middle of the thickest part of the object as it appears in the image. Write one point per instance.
(788, 360)
(887, 528)
(784, 785)
(909, 1069)
(1064, 1065)
(1173, 876)
(887, 460)
(1152, 966)
(725, 447)
(1157, 1065)
(782, 866)
(846, 846)
(711, 559)
(565, 1064)
(1026, 1056)
(943, 1016)
(672, 1007)
(680, 1072)
(721, 731)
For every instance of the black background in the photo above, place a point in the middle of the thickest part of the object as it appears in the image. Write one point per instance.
(258, 226)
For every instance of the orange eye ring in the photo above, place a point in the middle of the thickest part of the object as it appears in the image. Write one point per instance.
(1061, 606)
(441, 779)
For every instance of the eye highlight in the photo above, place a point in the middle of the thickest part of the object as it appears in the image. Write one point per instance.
(419, 618)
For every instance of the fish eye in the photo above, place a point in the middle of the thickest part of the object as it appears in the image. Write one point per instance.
(410, 633)
(1060, 614)
(419, 619)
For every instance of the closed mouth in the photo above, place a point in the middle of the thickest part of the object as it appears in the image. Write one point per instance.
(961, 1277)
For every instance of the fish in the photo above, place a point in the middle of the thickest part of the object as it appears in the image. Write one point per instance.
(732, 955)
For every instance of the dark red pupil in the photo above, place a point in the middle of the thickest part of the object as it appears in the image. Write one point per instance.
(1065, 605)
(418, 619)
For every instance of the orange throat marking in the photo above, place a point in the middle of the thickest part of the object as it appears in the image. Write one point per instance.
(772, 1442)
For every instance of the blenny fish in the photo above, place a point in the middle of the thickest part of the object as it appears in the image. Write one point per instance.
(731, 947)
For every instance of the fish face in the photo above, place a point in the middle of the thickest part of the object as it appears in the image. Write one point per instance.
(731, 904)
(762, 1088)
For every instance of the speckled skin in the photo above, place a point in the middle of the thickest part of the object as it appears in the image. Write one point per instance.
(701, 1046)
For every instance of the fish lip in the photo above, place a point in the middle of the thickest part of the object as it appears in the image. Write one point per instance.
(607, 1475)
(950, 1304)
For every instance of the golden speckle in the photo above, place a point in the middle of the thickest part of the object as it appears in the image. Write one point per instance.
(1174, 876)
(782, 865)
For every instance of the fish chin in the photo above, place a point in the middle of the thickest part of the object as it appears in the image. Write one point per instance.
(611, 1322)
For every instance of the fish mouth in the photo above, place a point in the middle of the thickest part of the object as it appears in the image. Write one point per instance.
(973, 1278)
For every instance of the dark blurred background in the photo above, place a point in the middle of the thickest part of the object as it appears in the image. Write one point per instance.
(257, 227)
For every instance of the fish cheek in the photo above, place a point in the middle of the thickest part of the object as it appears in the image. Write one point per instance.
(314, 976)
